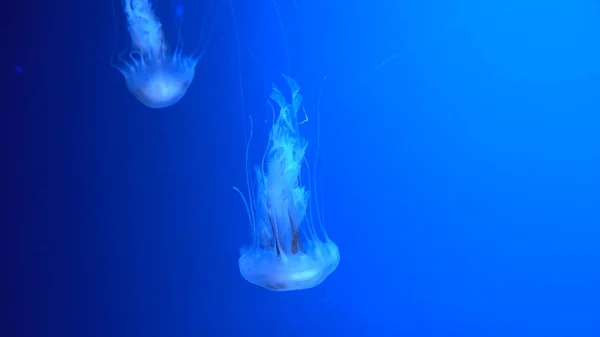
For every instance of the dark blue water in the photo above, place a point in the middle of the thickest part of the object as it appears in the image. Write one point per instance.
(459, 170)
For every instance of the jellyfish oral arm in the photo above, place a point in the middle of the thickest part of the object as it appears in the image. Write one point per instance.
(144, 27)
(285, 198)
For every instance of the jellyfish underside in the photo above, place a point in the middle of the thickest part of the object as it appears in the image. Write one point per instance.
(288, 252)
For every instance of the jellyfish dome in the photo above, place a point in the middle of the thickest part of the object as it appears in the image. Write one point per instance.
(154, 76)
(290, 251)
(159, 83)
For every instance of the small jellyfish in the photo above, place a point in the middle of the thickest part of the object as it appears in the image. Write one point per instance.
(156, 77)
(290, 250)
(179, 10)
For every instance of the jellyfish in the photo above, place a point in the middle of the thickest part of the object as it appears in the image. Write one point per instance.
(156, 77)
(289, 251)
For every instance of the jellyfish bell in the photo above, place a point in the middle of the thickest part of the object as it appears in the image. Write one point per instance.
(269, 268)
(159, 82)
(290, 250)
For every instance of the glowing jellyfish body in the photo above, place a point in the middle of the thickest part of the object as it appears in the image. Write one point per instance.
(288, 251)
(155, 77)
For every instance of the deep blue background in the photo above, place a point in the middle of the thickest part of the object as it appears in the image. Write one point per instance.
(460, 179)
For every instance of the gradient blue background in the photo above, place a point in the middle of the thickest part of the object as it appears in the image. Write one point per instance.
(460, 179)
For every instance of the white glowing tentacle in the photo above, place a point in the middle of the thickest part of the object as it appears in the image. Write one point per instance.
(144, 27)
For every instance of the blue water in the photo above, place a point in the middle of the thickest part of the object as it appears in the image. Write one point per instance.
(459, 170)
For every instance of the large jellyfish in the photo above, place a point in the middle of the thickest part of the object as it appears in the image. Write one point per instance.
(154, 76)
(289, 250)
